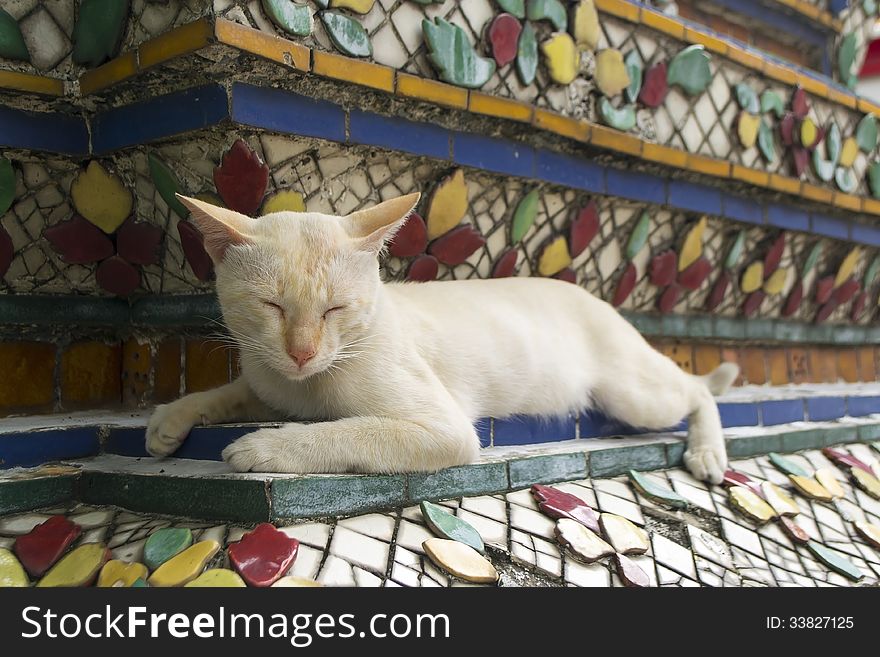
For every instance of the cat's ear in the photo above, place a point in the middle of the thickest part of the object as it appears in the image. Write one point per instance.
(220, 227)
(372, 228)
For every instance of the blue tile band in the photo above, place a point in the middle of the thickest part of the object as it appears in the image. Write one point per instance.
(43, 131)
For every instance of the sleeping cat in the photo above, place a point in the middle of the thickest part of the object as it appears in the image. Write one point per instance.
(395, 374)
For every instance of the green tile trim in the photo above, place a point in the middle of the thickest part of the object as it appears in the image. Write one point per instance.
(64, 310)
(548, 469)
(868, 432)
(18, 495)
(675, 454)
(793, 441)
(316, 496)
(618, 460)
(477, 479)
(742, 447)
(176, 310)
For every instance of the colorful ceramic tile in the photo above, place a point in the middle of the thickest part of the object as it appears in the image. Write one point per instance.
(12, 575)
(871, 272)
(671, 295)
(634, 68)
(167, 185)
(874, 179)
(12, 45)
(787, 466)
(295, 582)
(793, 530)
(655, 492)
(456, 246)
(654, 86)
(846, 57)
(138, 242)
(736, 250)
(505, 265)
(719, 290)
(808, 133)
(7, 185)
(453, 55)
(772, 102)
(347, 34)
(799, 104)
(750, 505)
(241, 178)
(504, 38)
(747, 127)
(165, 543)
(866, 530)
(845, 459)
(801, 159)
(39, 549)
(696, 273)
(357, 6)
(625, 285)
(752, 278)
(824, 289)
(734, 478)
(561, 57)
(101, 197)
(446, 525)
(866, 133)
(524, 216)
(217, 578)
(193, 245)
(692, 247)
(79, 242)
(424, 268)
(460, 560)
(549, 10)
(848, 152)
(623, 119)
(559, 504)
(866, 481)
(776, 282)
(766, 143)
(584, 228)
(835, 561)
(626, 537)
(631, 574)
(584, 544)
(98, 31)
(777, 498)
(833, 143)
(639, 236)
(185, 566)
(117, 573)
(527, 55)
(554, 257)
(586, 25)
(78, 568)
(263, 555)
(515, 7)
(411, 239)
(117, 276)
(611, 74)
(810, 488)
(284, 201)
(291, 17)
(663, 268)
(747, 98)
(448, 204)
(847, 266)
(690, 70)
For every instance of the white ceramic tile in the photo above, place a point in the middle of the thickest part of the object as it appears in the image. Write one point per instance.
(313, 533)
(369, 553)
(375, 525)
(532, 522)
(671, 554)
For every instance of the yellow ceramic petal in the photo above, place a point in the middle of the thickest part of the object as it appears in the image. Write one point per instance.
(12, 575)
(776, 282)
(554, 258)
(295, 582)
(753, 277)
(358, 6)
(186, 566)
(448, 204)
(827, 478)
(210, 197)
(286, 201)
(847, 266)
(866, 481)
(217, 578)
(586, 25)
(611, 74)
(747, 129)
(120, 573)
(848, 152)
(869, 532)
(77, 568)
(562, 58)
(808, 132)
(777, 498)
(692, 247)
(750, 505)
(101, 197)
(810, 488)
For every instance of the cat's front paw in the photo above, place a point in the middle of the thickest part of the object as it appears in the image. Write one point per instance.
(266, 450)
(169, 426)
(707, 463)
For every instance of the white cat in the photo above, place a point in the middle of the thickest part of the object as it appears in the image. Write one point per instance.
(395, 374)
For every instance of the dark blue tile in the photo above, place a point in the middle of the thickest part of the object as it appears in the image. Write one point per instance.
(743, 209)
(283, 111)
(37, 447)
(865, 234)
(43, 131)
(570, 171)
(694, 197)
(782, 411)
(494, 154)
(786, 216)
(806, 30)
(595, 424)
(830, 227)
(859, 406)
(203, 443)
(738, 415)
(483, 427)
(526, 430)
(635, 185)
(157, 118)
(398, 134)
(837, 6)
(820, 409)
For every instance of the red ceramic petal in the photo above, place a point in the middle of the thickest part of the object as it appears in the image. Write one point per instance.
(631, 574)
(78, 241)
(846, 291)
(786, 129)
(568, 275)
(241, 178)
(858, 306)
(44, 545)
(846, 460)
(583, 229)
(625, 285)
(793, 530)
(503, 38)
(456, 246)
(825, 311)
(411, 239)
(801, 159)
(663, 268)
(7, 251)
(118, 276)
(138, 242)
(263, 555)
(694, 274)
(753, 302)
(719, 290)
(774, 255)
(793, 302)
(734, 478)
(423, 268)
(654, 86)
(559, 504)
(194, 249)
(799, 104)
(824, 288)
(505, 265)
(669, 298)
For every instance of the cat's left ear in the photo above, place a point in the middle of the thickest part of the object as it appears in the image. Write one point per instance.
(371, 229)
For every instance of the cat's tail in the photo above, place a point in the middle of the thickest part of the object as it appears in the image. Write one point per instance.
(721, 378)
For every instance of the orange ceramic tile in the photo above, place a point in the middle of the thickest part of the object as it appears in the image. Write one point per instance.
(348, 69)
(868, 107)
(798, 365)
(867, 365)
(751, 176)
(136, 366)
(504, 108)
(732, 355)
(812, 85)
(91, 374)
(712, 43)
(777, 364)
(781, 73)
(621, 8)
(812, 11)
(708, 165)
(174, 43)
(682, 354)
(845, 99)
(263, 44)
(413, 86)
(28, 379)
(673, 157)
(745, 58)
(562, 125)
(662, 23)
(117, 69)
(816, 193)
(706, 358)
(166, 378)
(847, 365)
(753, 365)
(615, 140)
(871, 206)
(823, 365)
(207, 365)
(37, 84)
(847, 201)
(785, 184)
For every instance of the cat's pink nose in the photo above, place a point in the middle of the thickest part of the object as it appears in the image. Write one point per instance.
(302, 356)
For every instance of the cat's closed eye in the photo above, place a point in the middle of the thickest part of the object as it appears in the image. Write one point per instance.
(332, 310)
(274, 306)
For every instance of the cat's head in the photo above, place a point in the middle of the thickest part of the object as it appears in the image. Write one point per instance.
(298, 289)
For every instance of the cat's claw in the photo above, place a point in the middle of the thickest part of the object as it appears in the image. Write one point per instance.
(255, 452)
(706, 463)
(169, 426)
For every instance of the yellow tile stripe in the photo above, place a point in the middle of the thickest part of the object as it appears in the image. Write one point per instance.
(262, 44)
(37, 84)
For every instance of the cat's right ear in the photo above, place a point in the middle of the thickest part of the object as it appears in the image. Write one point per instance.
(220, 227)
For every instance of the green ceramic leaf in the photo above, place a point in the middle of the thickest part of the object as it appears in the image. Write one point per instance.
(167, 185)
(515, 7)
(736, 250)
(634, 67)
(866, 133)
(291, 17)
(747, 98)
(448, 526)
(874, 179)
(527, 55)
(656, 492)
(772, 102)
(347, 34)
(812, 259)
(835, 561)
(7, 185)
(639, 236)
(846, 56)
(524, 216)
(870, 7)
(453, 55)
(549, 10)
(871, 272)
(787, 466)
(12, 45)
(690, 70)
(833, 143)
(98, 31)
(164, 544)
(824, 168)
(766, 144)
(845, 179)
(623, 119)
